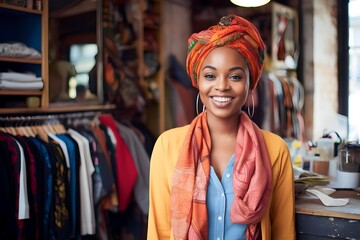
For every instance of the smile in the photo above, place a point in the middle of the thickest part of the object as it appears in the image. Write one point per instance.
(222, 99)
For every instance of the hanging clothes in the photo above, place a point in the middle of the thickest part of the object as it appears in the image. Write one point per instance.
(124, 164)
(142, 163)
(14, 226)
(283, 104)
(86, 187)
(73, 180)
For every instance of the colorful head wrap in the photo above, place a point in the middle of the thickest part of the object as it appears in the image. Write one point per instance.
(233, 32)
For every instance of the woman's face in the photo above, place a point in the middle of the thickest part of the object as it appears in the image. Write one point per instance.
(223, 82)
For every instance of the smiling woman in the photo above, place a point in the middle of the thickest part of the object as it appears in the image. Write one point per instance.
(219, 177)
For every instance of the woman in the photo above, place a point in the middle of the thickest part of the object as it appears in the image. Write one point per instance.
(221, 177)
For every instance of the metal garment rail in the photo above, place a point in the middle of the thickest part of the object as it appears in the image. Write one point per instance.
(21, 120)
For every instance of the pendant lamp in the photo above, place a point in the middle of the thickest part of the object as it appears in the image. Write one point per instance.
(249, 3)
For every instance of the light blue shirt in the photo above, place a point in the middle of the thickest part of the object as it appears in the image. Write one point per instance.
(220, 196)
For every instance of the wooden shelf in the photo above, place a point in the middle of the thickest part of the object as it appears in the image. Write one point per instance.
(20, 110)
(29, 27)
(23, 111)
(21, 60)
(21, 93)
(19, 8)
(75, 107)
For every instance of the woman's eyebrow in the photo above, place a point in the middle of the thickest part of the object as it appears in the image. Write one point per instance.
(231, 69)
(237, 68)
(211, 67)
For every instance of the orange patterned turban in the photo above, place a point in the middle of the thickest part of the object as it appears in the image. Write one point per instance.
(233, 32)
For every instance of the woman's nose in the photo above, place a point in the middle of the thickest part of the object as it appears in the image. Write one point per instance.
(222, 84)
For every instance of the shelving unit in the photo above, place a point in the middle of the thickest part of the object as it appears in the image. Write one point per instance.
(134, 43)
(28, 26)
(153, 80)
(31, 27)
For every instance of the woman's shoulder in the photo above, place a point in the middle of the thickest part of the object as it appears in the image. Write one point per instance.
(177, 132)
(173, 137)
(275, 145)
(270, 137)
(168, 146)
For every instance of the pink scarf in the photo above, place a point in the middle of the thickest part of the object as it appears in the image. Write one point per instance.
(251, 181)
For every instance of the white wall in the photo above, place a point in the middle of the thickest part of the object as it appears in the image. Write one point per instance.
(325, 67)
(320, 56)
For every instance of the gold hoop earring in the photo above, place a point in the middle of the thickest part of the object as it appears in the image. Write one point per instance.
(253, 107)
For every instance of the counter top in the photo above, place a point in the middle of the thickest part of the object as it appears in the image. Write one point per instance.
(311, 205)
(316, 221)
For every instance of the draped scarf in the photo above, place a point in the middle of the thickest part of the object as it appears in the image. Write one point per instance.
(251, 180)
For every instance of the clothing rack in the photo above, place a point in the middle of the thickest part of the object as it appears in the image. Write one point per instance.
(40, 125)
(281, 97)
(47, 118)
(88, 203)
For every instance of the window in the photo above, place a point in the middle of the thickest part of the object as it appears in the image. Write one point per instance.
(354, 70)
(82, 57)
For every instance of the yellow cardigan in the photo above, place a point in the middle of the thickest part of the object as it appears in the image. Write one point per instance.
(278, 221)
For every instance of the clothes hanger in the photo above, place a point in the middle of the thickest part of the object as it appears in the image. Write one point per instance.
(19, 129)
(10, 129)
(33, 127)
(27, 128)
(42, 132)
(58, 127)
(49, 127)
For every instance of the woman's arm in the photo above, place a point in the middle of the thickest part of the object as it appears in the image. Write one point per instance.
(159, 209)
(282, 208)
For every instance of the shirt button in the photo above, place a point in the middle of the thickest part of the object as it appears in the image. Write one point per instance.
(218, 238)
(222, 194)
(228, 175)
(219, 218)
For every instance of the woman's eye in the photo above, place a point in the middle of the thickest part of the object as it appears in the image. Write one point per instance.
(235, 77)
(209, 76)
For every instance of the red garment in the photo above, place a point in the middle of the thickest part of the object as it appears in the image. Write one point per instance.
(14, 158)
(126, 173)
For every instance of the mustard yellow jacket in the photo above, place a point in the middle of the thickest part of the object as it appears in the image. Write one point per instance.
(278, 222)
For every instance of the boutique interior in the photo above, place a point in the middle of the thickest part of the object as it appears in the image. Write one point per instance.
(71, 70)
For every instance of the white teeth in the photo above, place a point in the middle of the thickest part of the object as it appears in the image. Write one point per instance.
(222, 99)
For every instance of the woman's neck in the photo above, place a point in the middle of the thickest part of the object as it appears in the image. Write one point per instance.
(222, 126)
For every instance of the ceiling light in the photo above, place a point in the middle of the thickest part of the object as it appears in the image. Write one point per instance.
(249, 3)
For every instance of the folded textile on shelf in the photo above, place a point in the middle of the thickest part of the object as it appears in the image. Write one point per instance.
(18, 50)
(29, 85)
(19, 77)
